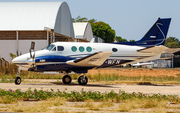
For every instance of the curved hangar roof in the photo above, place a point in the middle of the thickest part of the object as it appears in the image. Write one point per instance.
(36, 16)
(83, 30)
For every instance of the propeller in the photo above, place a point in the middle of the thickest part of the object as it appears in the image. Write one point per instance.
(31, 61)
(30, 50)
(17, 53)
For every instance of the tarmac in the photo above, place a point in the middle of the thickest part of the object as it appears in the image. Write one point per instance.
(42, 84)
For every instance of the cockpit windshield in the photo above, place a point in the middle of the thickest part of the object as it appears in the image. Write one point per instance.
(50, 47)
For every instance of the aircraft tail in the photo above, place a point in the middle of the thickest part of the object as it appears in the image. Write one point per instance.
(155, 36)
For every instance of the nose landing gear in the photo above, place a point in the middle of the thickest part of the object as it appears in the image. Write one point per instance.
(18, 79)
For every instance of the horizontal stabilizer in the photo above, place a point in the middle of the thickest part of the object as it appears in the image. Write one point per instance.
(154, 49)
(95, 59)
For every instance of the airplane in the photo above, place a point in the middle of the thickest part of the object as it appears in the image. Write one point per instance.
(142, 64)
(79, 57)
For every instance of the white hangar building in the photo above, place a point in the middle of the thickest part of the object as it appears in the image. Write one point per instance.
(41, 22)
(83, 31)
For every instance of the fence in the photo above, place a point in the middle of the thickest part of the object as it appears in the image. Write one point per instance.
(3, 62)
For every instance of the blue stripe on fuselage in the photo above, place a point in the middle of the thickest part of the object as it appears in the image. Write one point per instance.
(53, 58)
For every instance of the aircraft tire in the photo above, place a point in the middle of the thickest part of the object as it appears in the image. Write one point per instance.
(81, 81)
(66, 79)
(17, 80)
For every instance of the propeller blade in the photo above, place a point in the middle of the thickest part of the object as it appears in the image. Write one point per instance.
(33, 56)
(17, 54)
(32, 45)
(32, 48)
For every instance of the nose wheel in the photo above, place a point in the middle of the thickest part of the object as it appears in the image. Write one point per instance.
(66, 79)
(82, 80)
(18, 80)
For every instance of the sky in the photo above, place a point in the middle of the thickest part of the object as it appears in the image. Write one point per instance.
(131, 19)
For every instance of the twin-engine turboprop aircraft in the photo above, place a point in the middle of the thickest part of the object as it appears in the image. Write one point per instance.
(80, 57)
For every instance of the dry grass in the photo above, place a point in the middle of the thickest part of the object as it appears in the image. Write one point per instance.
(137, 72)
(134, 76)
(59, 105)
(95, 106)
(42, 106)
(138, 103)
(7, 100)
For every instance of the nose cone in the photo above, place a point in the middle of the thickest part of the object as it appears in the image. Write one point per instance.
(21, 59)
(15, 60)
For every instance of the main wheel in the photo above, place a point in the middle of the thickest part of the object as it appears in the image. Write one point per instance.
(66, 79)
(82, 80)
(17, 80)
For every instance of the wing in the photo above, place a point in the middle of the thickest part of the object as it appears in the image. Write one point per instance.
(95, 59)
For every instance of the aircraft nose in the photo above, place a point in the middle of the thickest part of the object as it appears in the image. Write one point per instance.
(20, 59)
(14, 60)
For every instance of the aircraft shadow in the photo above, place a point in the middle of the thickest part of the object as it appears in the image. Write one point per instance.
(150, 84)
(72, 84)
(87, 85)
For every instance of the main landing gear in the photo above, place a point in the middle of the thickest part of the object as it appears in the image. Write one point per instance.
(66, 79)
(82, 80)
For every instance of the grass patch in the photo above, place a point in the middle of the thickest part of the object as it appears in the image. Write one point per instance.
(93, 101)
(82, 96)
(7, 99)
(38, 107)
(154, 103)
(112, 77)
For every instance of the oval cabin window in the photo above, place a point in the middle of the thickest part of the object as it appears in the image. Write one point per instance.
(73, 48)
(88, 49)
(114, 50)
(81, 49)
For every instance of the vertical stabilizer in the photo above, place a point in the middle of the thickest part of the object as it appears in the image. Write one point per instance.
(155, 36)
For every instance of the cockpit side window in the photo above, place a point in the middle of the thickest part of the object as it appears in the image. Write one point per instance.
(60, 48)
(50, 47)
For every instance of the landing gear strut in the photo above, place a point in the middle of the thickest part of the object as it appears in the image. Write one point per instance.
(18, 79)
(66, 79)
(82, 80)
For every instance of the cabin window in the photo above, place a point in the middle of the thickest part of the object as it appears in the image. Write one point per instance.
(81, 49)
(54, 49)
(73, 48)
(60, 48)
(114, 50)
(88, 49)
(50, 47)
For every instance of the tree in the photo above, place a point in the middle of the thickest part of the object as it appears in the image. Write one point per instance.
(100, 29)
(172, 42)
(104, 31)
(131, 40)
(79, 19)
(172, 45)
(83, 19)
(120, 39)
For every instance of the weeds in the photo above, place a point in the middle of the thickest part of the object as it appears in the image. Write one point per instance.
(95, 101)
(82, 96)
